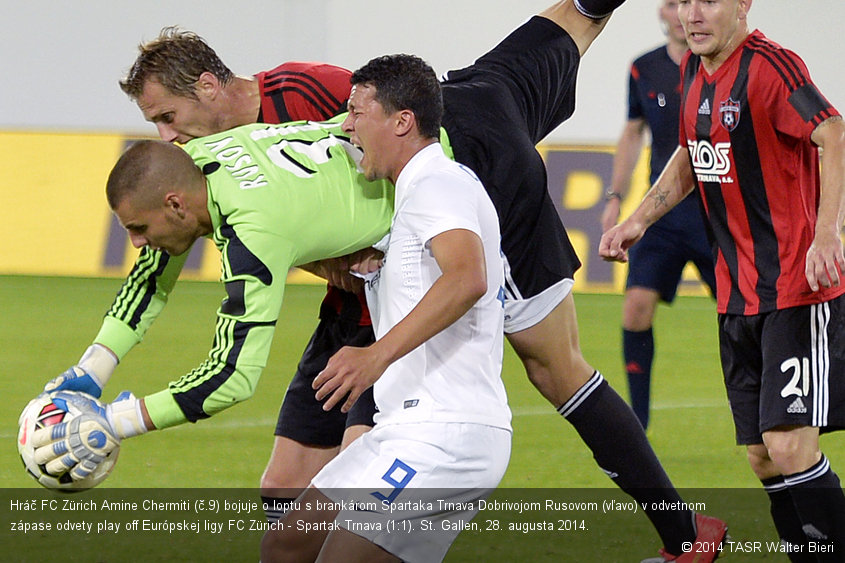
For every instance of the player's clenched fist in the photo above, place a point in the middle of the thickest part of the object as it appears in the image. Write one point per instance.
(615, 243)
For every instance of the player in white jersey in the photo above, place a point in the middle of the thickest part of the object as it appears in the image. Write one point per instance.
(455, 375)
(442, 437)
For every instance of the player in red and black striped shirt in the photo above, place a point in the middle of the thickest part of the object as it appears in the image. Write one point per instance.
(752, 123)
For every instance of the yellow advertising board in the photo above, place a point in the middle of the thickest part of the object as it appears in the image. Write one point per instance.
(57, 221)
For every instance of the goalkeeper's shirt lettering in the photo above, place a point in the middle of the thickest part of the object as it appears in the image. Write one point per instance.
(242, 165)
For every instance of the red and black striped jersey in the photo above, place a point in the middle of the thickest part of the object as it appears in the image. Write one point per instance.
(747, 127)
(295, 91)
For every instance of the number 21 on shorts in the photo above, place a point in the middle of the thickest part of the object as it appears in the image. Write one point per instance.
(799, 383)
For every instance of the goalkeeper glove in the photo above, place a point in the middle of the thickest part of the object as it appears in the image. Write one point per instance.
(79, 445)
(90, 375)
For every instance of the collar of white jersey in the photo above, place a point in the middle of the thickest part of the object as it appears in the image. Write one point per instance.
(418, 163)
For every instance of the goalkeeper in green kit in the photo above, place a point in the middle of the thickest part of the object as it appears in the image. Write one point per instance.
(271, 197)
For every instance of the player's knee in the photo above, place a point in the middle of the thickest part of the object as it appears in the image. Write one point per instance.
(270, 481)
(540, 375)
(637, 320)
(280, 474)
(274, 480)
(558, 381)
(760, 462)
(638, 311)
(791, 450)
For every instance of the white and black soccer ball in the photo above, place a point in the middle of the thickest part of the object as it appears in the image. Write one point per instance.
(40, 413)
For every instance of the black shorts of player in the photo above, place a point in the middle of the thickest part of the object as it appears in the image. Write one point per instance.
(302, 417)
(658, 259)
(495, 112)
(785, 368)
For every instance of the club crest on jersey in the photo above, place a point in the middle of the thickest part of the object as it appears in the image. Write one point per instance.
(729, 114)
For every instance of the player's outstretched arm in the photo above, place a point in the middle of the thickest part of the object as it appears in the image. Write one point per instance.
(460, 256)
(674, 184)
(825, 260)
(140, 300)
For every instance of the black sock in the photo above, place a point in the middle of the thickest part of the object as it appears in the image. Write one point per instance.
(638, 351)
(786, 520)
(276, 507)
(820, 503)
(597, 9)
(612, 432)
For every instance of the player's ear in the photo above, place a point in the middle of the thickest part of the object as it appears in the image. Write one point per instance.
(173, 202)
(207, 85)
(405, 122)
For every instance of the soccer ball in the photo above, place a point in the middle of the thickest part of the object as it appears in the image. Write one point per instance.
(40, 413)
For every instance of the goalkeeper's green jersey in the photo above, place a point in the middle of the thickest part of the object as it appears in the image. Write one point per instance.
(279, 196)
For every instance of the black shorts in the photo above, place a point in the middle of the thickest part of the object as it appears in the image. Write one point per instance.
(495, 112)
(658, 260)
(302, 417)
(785, 368)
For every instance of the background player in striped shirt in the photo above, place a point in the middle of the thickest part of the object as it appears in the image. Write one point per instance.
(655, 265)
(752, 124)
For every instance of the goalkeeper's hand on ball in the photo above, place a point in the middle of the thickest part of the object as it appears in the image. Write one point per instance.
(89, 375)
(79, 445)
(76, 379)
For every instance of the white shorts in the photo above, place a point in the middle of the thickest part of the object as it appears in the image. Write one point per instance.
(411, 488)
(522, 313)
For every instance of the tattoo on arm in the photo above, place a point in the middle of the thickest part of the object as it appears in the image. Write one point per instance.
(659, 197)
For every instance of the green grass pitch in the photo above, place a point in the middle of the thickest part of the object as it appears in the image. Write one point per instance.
(48, 322)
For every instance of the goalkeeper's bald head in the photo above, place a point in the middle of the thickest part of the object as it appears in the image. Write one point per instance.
(147, 170)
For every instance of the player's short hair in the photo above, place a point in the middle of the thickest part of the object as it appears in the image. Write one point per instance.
(175, 59)
(146, 169)
(405, 82)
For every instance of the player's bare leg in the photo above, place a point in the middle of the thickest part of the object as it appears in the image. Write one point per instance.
(793, 449)
(289, 543)
(551, 354)
(343, 545)
(289, 471)
(552, 357)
